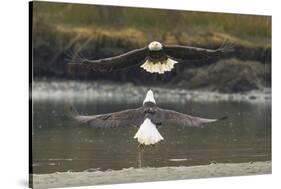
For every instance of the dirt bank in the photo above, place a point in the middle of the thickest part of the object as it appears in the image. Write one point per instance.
(149, 174)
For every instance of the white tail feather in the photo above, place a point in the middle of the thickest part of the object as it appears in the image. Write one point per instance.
(148, 133)
(159, 67)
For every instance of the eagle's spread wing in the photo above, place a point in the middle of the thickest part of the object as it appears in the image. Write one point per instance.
(173, 118)
(130, 117)
(131, 58)
(195, 53)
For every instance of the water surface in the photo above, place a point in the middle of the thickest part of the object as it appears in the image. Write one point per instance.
(60, 144)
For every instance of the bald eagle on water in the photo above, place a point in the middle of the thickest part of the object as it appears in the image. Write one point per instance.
(154, 58)
(146, 118)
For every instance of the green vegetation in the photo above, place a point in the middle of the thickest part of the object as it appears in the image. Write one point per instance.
(140, 26)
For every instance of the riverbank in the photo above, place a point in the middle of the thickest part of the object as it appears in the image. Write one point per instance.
(130, 175)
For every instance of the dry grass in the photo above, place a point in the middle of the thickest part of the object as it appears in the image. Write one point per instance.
(139, 26)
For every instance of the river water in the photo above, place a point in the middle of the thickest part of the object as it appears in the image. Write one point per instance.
(60, 144)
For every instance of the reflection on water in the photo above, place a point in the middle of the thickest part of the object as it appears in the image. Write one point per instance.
(60, 144)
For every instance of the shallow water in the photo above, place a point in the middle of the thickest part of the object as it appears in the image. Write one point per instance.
(60, 144)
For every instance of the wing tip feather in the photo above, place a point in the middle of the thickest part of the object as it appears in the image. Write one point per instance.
(72, 112)
(223, 118)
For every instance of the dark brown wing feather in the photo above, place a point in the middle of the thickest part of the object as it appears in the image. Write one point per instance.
(195, 53)
(173, 118)
(131, 58)
(130, 117)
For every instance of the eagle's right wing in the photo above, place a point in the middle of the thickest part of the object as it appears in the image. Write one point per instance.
(130, 117)
(131, 58)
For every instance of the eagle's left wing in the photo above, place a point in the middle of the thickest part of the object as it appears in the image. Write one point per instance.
(173, 118)
(195, 53)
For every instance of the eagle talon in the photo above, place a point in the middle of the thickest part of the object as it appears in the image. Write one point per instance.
(140, 147)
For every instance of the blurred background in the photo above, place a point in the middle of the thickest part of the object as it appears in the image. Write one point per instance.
(104, 31)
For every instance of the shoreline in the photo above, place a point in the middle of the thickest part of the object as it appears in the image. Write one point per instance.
(129, 175)
(104, 91)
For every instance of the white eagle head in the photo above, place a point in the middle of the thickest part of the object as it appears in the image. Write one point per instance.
(149, 97)
(155, 46)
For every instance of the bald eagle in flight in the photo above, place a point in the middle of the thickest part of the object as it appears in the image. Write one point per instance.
(154, 58)
(146, 118)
